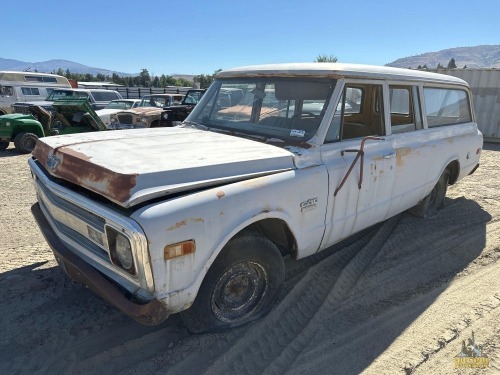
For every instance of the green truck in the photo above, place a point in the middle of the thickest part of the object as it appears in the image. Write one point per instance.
(72, 115)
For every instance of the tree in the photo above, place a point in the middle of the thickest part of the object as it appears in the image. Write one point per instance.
(451, 64)
(145, 79)
(440, 66)
(205, 80)
(325, 58)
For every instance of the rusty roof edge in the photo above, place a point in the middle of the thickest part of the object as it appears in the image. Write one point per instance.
(336, 70)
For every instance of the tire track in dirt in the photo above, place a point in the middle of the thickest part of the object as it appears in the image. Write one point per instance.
(432, 283)
(288, 327)
(413, 276)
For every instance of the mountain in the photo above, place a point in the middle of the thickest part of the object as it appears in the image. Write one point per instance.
(487, 56)
(54, 65)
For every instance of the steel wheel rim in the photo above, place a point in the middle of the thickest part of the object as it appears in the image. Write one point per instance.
(239, 291)
(29, 143)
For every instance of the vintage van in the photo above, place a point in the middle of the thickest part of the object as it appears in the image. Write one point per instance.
(27, 86)
(197, 218)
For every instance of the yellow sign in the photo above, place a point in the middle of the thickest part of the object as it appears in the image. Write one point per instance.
(471, 355)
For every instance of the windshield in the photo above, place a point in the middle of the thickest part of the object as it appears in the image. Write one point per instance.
(160, 101)
(289, 109)
(119, 105)
(193, 97)
(60, 94)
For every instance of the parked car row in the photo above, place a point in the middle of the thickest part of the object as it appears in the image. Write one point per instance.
(157, 110)
(64, 108)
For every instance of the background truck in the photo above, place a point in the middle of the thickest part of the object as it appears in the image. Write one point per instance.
(27, 86)
(178, 113)
(72, 115)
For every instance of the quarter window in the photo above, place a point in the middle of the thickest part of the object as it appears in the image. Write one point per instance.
(446, 106)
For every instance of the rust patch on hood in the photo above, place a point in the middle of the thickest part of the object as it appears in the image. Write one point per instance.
(77, 168)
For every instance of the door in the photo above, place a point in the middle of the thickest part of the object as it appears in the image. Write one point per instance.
(360, 162)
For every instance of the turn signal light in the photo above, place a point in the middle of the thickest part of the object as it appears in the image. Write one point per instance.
(179, 249)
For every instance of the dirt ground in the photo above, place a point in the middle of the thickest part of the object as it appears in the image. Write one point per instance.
(398, 299)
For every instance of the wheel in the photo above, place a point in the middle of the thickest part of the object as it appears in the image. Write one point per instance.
(435, 200)
(242, 285)
(4, 145)
(25, 142)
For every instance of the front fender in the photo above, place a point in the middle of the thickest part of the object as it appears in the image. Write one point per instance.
(214, 216)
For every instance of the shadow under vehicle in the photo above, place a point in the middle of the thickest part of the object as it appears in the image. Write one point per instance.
(71, 115)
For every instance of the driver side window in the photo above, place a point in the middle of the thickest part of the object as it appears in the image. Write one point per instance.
(358, 114)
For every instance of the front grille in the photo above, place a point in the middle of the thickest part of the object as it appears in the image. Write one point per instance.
(25, 109)
(126, 119)
(73, 221)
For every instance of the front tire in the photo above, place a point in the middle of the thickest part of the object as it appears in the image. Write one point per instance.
(435, 200)
(25, 142)
(242, 285)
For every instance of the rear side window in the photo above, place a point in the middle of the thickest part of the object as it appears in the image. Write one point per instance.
(30, 91)
(446, 106)
(405, 108)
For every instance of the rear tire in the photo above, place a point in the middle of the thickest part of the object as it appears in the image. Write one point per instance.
(4, 145)
(242, 285)
(25, 142)
(435, 200)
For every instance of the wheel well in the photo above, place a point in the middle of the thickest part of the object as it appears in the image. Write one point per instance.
(454, 168)
(277, 231)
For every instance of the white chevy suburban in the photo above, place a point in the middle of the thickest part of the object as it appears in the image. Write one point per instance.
(197, 218)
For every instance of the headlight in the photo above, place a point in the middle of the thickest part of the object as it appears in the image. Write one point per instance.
(165, 116)
(124, 251)
(113, 119)
(144, 120)
(120, 250)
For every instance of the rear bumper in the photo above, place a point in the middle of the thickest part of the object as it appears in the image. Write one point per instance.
(151, 313)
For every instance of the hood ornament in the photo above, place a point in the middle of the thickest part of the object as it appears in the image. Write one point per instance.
(52, 162)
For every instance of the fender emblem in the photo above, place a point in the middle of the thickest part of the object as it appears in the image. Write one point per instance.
(52, 162)
(309, 204)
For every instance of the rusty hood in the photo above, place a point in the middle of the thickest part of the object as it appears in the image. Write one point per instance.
(129, 167)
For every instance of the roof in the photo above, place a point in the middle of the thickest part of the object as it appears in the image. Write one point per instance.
(161, 95)
(336, 70)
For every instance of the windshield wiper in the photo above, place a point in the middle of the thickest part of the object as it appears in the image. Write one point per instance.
(195, 125)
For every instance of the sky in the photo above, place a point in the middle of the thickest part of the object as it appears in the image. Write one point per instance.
(199, 37)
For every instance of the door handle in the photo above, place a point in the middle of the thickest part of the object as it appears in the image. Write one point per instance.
(390, 156)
